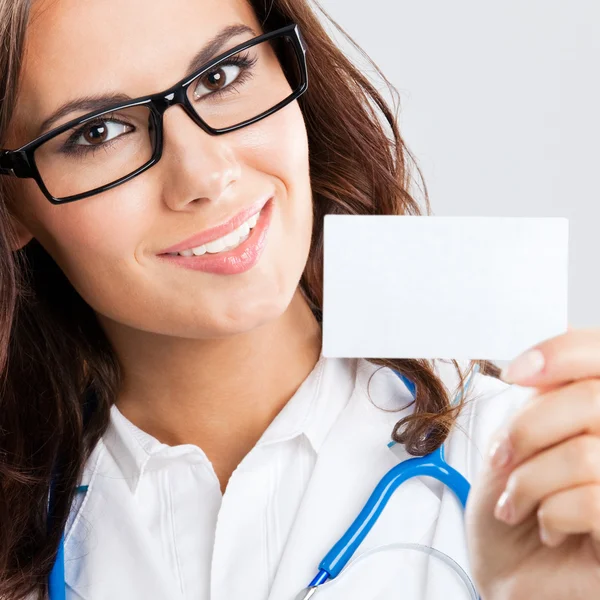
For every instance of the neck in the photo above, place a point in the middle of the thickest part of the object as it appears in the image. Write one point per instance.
(220, 395)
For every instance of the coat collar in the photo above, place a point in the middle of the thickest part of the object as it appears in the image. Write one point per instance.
(309, 412)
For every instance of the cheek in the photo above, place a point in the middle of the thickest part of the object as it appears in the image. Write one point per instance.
(278, 146)
(93, 241)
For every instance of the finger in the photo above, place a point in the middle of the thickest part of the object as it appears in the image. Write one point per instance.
(570, 512)
(547, 420)
(570, 464)
(570, 356)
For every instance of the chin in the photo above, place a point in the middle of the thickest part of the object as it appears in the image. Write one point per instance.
(244, 317)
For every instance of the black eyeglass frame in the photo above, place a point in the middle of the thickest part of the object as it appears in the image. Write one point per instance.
(21, 162)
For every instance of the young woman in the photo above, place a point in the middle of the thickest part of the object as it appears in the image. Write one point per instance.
(164, 401)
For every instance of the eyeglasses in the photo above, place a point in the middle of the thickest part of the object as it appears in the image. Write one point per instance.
(108, 147)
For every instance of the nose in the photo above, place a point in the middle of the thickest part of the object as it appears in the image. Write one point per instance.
(196, 165)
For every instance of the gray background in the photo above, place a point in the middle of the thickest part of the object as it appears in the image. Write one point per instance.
(500, 103)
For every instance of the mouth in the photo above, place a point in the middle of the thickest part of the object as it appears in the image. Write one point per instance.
(221, 238)
(236, 252)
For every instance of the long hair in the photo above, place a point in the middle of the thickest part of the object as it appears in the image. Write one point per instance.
(58, 372)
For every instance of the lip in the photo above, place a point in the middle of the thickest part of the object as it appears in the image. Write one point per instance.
(219, 231)
(235, 261)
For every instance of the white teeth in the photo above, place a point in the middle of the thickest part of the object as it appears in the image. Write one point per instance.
(242, 239)
(227, 242)
(216, 246)
(232, 238)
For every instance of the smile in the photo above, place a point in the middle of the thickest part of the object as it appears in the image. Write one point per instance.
(231, 254)
(225, 243)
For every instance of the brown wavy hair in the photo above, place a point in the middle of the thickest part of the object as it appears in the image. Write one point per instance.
(58, 373)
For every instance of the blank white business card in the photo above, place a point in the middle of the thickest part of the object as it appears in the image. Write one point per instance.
(442, 287)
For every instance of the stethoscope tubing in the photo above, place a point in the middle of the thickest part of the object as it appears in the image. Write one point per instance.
(56, 582)
(431, 465)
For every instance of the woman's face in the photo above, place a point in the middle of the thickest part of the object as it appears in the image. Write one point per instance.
(108, 245)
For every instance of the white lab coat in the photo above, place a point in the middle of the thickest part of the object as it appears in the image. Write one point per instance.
(352, 460)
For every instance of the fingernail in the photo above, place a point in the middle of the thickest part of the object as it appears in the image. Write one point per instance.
(504, 510)
(524, 367)
(551, 540)
(545, 536)
(501, 453)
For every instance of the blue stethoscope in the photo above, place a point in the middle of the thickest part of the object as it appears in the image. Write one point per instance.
(432, 465)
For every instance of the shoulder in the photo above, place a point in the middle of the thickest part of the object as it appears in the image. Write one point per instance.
(86, 482)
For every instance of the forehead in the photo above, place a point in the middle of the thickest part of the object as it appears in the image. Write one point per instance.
(135, 47)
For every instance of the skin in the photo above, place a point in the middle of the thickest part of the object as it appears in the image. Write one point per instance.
(541, 539)
(207, 359)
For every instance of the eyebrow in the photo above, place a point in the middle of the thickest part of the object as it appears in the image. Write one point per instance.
(99, 102)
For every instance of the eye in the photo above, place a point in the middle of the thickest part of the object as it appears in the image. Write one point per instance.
(216, 80)
(101, 132)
